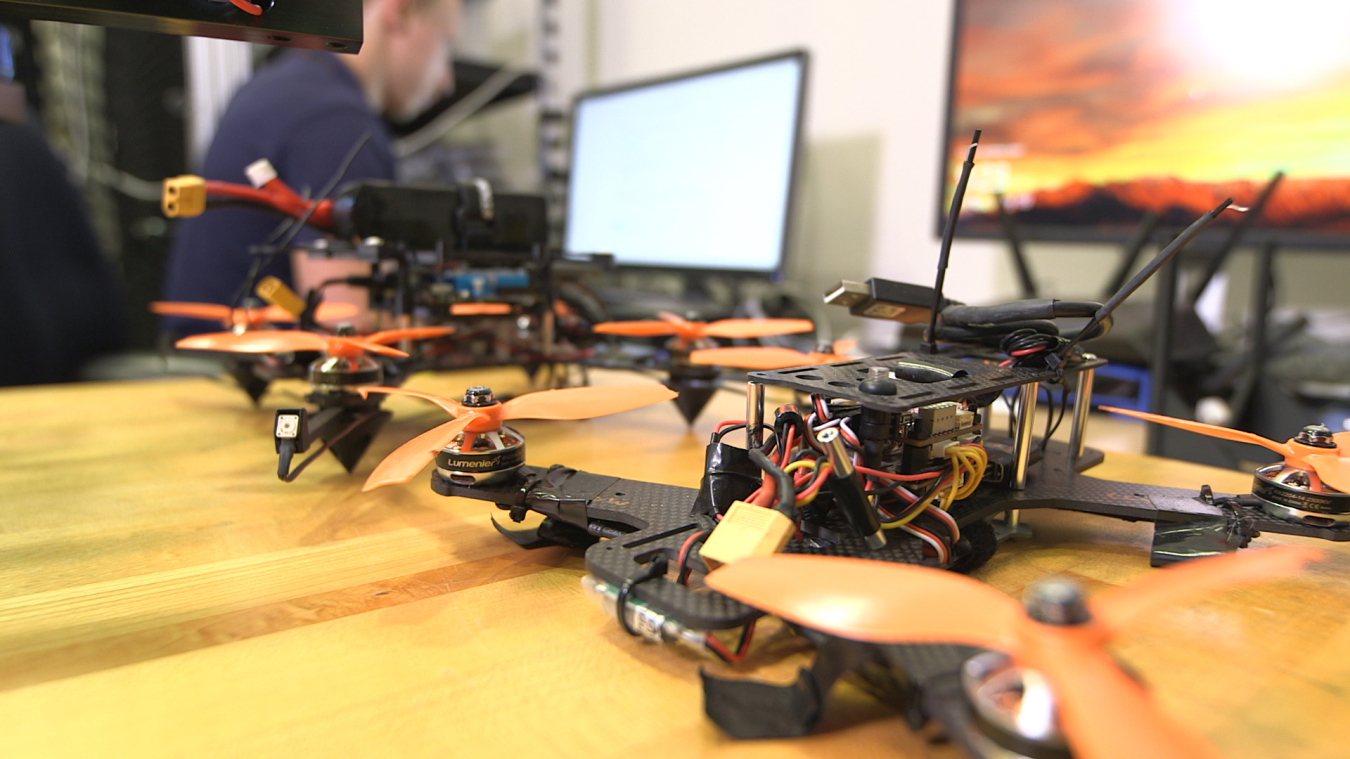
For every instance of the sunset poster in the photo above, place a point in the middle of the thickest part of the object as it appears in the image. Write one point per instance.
(1096, 111)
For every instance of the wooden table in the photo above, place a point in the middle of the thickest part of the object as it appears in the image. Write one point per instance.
(163, 594)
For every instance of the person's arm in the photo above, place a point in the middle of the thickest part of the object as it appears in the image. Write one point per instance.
(309, 272)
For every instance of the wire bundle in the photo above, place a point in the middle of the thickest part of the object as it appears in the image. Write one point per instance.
(795, 468)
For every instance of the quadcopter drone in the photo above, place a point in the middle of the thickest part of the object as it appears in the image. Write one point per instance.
(462, 254)
(887, 458)
(460, 259)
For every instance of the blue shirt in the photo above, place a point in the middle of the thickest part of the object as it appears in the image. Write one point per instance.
(303, 113)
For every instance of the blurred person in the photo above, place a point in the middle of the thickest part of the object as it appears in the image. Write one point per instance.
(305, 112)
(60, 302)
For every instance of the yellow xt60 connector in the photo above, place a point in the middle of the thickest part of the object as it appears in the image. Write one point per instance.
(746, 530)
(183, 196)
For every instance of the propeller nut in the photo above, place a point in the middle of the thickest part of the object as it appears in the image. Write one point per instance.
(1057, 602)
(1316, 435)
(345, 329)
(478, 396)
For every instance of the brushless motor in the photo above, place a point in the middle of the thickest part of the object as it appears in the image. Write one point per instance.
(479, 458)
(333, 373)
(1292, 493)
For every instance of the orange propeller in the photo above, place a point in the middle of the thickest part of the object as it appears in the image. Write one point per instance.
(1104, 713)
(688, 332)
(480, 309)
(1331, 464)
(289, 341)
(248, 317)
(572, 403)
(767, 358)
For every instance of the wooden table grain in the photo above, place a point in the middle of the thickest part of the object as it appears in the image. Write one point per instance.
(162, 594)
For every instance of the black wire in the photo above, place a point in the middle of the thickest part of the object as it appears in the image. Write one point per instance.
(657, 568)
(784, 421)
(717, 436)
(910, 508)
(650, 571)
(299, 224)
(815, 472)
(1023, 340)
(787, 494)
(1012, 414)
(891, 488)
(1049, 428)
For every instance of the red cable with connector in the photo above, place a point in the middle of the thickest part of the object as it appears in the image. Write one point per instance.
(278, 196)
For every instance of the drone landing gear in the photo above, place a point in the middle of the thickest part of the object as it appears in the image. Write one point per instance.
(349, 441)
(344, 430)
(550, 532)
(248, 379)
(923, 681)
(696, 385)
(753, 710)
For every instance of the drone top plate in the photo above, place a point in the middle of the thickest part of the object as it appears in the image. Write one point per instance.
(920, 379)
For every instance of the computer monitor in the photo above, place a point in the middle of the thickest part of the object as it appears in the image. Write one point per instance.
(691, 172)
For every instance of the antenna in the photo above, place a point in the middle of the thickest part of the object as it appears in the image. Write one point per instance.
(1234, 236)
(1163, 257)
(930, 339)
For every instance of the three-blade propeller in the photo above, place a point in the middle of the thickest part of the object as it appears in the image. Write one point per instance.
(289, 341)
(1104, 713)
(689, 331)
(768, 358)
(1331, 464)
(571, 403)
(249, 318)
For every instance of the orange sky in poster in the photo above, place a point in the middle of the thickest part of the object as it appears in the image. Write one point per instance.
(1093, 91)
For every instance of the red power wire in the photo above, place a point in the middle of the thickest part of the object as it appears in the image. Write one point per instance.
(277, 195)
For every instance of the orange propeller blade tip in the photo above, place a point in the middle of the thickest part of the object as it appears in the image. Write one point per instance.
(585, 402)
(406, 461)
(872, 601)
(635, 328)
(480, 309)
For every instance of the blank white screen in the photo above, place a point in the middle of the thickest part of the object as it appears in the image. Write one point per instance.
(692, 173)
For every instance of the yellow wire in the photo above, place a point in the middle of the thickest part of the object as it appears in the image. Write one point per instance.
(970, 460)
(804, 464)
(918, 509)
